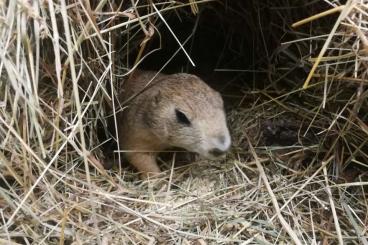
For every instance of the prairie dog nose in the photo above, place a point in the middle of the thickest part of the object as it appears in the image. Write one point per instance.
(223, 142)
(221, 146)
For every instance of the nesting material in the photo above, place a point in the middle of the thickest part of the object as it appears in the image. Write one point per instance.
(298, 114)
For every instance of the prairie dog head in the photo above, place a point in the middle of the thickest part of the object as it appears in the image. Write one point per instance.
(185, 112)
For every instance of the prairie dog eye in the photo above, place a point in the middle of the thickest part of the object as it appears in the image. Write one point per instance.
(182, 118)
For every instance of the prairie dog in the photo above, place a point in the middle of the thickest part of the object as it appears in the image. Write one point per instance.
(178, 110)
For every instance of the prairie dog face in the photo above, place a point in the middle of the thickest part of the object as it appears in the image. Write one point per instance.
(205, 133)
(189, 114)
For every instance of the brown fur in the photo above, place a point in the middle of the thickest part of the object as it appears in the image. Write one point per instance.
(149, 124)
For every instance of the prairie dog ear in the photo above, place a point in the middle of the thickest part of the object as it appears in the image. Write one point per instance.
(157, 98)
(220, 100)
(149, 113)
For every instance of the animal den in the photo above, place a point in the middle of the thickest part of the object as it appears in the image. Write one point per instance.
(292, 76)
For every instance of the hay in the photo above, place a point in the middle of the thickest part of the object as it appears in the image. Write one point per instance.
(298, 168)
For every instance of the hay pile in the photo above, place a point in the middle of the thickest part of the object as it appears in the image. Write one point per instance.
(298, 113)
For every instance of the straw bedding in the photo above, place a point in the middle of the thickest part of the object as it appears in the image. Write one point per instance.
(293, 75)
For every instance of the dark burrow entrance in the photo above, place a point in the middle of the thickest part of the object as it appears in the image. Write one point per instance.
(241, 49)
